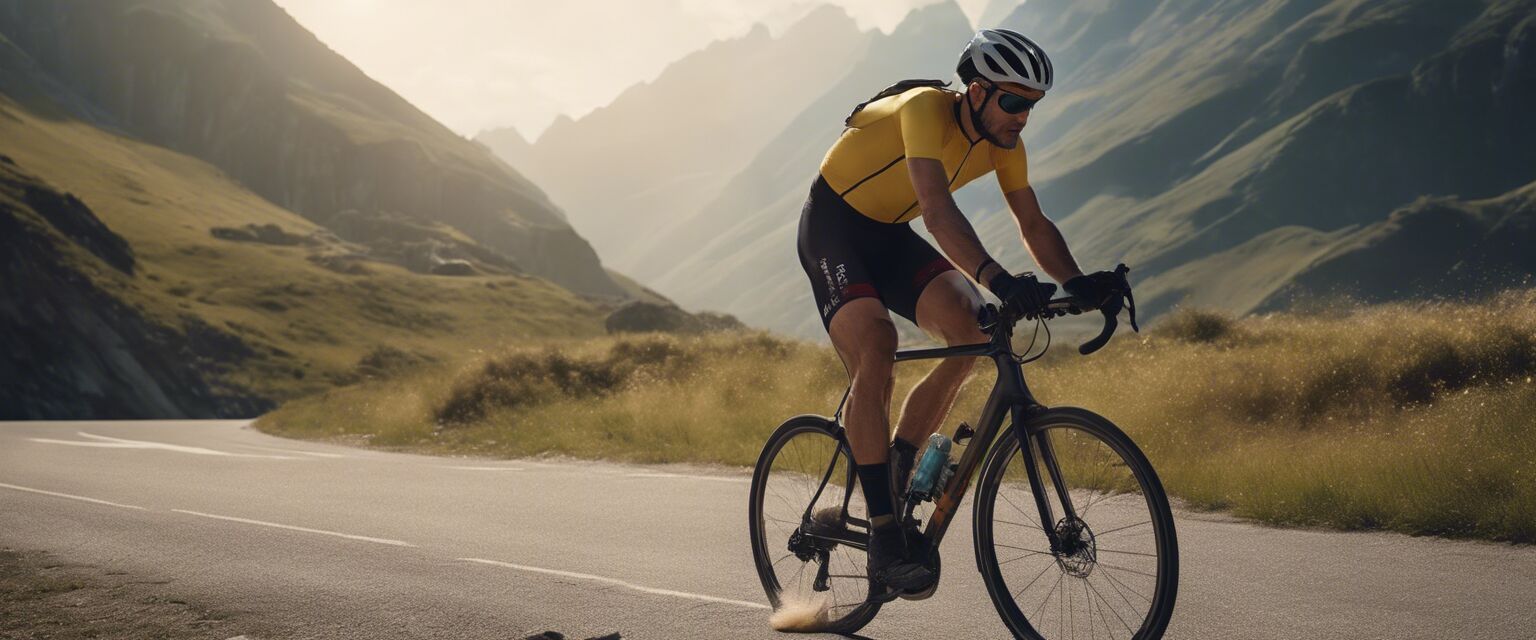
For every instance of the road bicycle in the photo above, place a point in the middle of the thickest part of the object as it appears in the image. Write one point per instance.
(1073, 534)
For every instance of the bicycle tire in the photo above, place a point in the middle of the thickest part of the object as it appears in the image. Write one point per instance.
(796, 427)
(1159, 515)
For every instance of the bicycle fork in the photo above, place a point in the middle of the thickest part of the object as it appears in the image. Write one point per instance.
(1035, 446)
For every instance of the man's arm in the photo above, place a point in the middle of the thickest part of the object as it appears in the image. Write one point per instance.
(1041, 237)
(943, 219)
(958, 238)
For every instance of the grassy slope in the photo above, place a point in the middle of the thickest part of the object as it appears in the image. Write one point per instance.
(1410, 418)
(309, 326)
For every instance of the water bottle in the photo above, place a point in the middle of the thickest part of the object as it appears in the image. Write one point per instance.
(925, 479)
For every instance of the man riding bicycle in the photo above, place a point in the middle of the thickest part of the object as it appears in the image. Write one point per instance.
(901, 158)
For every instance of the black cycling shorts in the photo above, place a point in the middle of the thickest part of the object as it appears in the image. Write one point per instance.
(847, 255)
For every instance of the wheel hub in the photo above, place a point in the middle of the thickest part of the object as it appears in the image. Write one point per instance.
(1079, 551)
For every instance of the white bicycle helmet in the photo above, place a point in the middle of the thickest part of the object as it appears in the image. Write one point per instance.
(1005, 55)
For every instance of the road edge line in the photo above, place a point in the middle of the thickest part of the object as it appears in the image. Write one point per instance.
(620, 583)
(71, 497)
(349, 536)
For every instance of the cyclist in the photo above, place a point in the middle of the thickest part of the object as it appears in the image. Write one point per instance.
(899, 159)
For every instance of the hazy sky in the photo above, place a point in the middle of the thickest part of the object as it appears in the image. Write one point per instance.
(479, 64)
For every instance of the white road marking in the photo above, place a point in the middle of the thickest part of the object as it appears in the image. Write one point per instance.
(65, 495)
(621, 583)
(487, 468)
(684, 475)
(316, 454)
(107, 442)
(290, 527)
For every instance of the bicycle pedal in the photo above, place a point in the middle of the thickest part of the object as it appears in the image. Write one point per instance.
(885, 595)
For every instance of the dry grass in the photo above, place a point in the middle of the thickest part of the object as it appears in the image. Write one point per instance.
(1416, 418)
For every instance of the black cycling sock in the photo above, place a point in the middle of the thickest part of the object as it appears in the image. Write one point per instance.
(876, 479)
(903, 458)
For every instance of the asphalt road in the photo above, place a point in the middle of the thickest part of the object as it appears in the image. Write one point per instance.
(310, 540)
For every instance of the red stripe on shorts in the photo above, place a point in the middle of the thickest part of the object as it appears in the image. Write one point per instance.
(860, 290)
(929, 272)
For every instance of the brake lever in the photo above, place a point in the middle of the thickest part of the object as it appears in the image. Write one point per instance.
(1110, 324)
(1130, 298)
(1111, 313)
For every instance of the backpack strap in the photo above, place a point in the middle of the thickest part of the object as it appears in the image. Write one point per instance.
(895, 89)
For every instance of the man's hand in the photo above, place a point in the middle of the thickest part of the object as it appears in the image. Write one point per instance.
(1093, 290)
(1017, 292)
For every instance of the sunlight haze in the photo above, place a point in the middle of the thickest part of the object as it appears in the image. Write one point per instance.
(480, 64)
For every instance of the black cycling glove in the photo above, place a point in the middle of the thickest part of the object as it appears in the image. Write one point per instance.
(1094, 290)
(1016, 293)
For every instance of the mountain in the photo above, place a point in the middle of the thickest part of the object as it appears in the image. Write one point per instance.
(508, 145)
(662, 148)
(1488, 242)
(738, 251)
(1376, 105)
(173, 241)
(1211, 133)
(242, 86)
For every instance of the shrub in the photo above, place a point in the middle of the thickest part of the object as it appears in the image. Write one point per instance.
(1197, 325)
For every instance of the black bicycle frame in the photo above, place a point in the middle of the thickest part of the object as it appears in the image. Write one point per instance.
(1011, 398)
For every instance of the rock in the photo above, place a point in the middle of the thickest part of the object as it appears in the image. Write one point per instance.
(260, 233)
(640, 316)
(453, 268)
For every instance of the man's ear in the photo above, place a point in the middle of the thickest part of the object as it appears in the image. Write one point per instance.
(976, 90)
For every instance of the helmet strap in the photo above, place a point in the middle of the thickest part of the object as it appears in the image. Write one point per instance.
(981, 130)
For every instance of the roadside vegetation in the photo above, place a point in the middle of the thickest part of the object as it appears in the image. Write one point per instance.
(1408, 417)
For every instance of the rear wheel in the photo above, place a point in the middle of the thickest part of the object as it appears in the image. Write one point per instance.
(808, 525)
(1115, 572)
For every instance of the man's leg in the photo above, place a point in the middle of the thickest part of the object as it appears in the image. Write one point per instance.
(865, 339)
(947, 310)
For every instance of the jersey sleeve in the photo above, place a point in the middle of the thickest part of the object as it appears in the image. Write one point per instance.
(1012, 166)
(922, 124)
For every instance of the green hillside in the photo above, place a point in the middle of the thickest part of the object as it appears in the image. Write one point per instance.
(249, 322)
(206, 212)
(239, 84)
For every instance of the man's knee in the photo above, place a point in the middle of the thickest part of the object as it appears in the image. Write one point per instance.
(865, 337)
(960, 327)
(948, 309)
(875, 352)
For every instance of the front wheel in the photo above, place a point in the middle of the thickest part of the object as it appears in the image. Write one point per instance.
(808, 527)
(1113, 569)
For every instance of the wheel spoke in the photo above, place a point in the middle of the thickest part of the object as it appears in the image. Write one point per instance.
(1022, 512)
(1120, 568)
(1111, 610)
(1009, 546)
(1048, 594)
(1032, 582)
(1105, 533)
(1129, 553)
(1027, 555)
(1127, 587)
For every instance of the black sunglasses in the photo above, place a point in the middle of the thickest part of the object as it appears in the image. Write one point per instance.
(1013, 103)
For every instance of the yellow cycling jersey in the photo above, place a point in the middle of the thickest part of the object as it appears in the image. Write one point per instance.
(867, 165)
